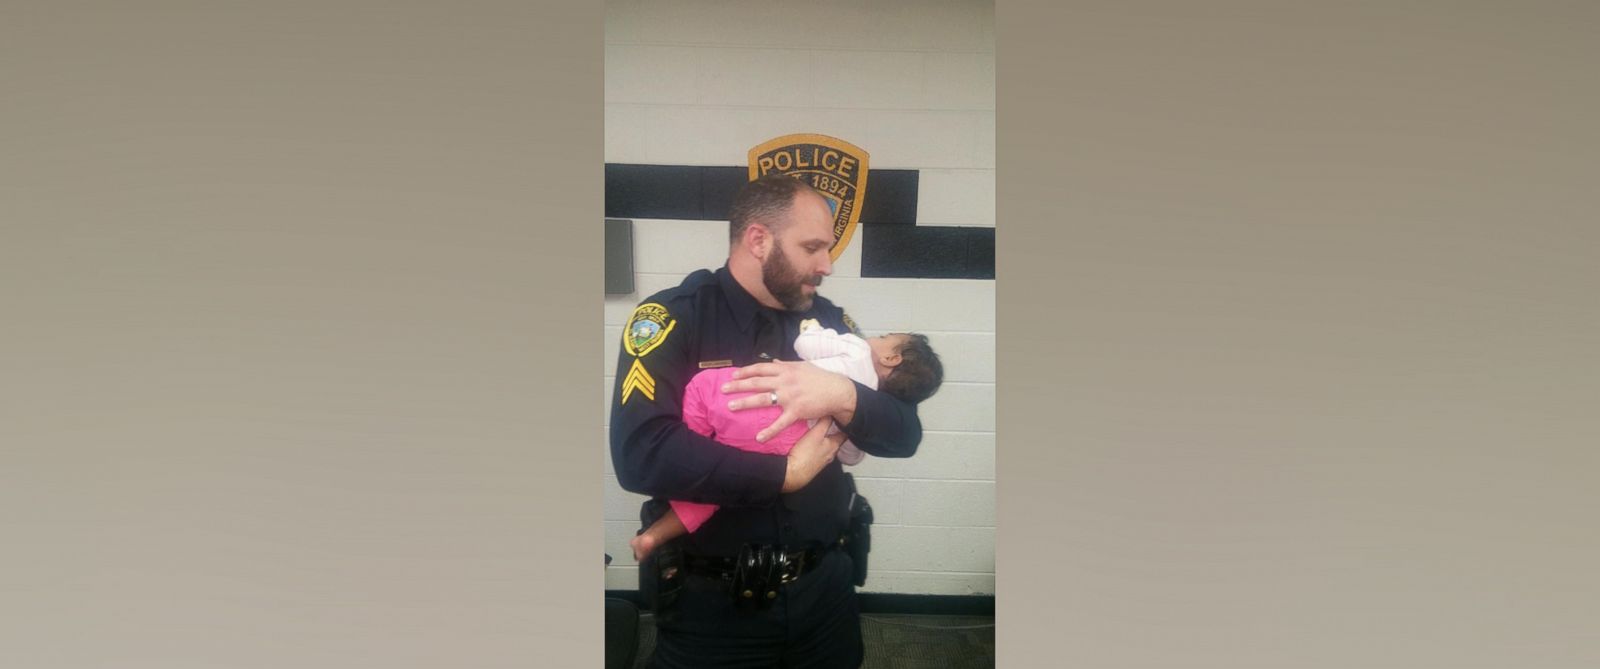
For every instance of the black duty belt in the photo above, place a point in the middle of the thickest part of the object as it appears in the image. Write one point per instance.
(758, 570)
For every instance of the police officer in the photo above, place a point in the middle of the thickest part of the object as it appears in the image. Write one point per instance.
(769, 580)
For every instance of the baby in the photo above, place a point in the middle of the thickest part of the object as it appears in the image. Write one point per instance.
(901, 365)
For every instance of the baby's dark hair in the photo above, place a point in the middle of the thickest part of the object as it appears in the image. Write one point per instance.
(919, 373)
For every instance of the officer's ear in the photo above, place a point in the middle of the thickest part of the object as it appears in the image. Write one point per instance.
(758, 241)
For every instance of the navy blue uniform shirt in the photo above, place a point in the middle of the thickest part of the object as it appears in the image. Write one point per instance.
(710, 320)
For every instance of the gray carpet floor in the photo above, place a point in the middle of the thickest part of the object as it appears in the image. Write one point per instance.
(897, 641)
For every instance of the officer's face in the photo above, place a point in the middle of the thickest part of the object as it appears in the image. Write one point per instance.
(799, 257)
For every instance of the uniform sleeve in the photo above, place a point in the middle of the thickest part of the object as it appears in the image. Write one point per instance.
(654, 453)
(884, 426)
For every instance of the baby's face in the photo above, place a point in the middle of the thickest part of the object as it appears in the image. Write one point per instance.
(886, 347)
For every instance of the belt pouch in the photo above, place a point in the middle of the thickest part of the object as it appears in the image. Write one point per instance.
(859, 540)
(661, 573)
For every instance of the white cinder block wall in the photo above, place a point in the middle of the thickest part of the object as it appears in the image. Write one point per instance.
(700, 82)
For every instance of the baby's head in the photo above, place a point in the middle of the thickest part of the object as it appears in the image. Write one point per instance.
(908, 369)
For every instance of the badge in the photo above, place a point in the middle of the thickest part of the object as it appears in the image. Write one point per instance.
(714, 364)
(836, 168)
(809, 324)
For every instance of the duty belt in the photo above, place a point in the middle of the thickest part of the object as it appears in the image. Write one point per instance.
(758, 570)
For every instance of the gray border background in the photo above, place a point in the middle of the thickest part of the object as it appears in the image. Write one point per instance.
(294, 298)
(1299, 327)
(1296, 306)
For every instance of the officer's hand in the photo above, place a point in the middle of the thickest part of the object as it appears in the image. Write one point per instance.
(810, 455)
(806, 392)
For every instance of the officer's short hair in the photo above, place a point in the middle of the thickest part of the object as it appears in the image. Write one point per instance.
(763, 200)
(919, 373)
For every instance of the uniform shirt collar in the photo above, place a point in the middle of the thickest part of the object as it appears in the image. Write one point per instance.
(741, 303)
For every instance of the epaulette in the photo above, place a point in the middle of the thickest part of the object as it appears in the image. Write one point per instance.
(692, 284)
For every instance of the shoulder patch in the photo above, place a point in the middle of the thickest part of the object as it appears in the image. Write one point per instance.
(647, 329)
(849, 323)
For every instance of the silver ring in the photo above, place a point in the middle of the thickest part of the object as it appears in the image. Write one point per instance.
(772, 398)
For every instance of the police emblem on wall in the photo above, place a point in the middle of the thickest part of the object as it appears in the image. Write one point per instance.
(836, 168)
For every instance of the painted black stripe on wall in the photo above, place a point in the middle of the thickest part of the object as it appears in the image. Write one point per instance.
(654, 191)
(926, 252)
(891, 197)
(880, 602)
(699, 193)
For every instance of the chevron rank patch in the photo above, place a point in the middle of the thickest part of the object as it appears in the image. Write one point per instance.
(850, 323)
(640, 380)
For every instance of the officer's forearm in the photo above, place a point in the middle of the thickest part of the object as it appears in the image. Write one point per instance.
(798, 474)
(813, 452)
(847, 412)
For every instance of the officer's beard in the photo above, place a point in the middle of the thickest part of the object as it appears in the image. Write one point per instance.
(785, 283)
